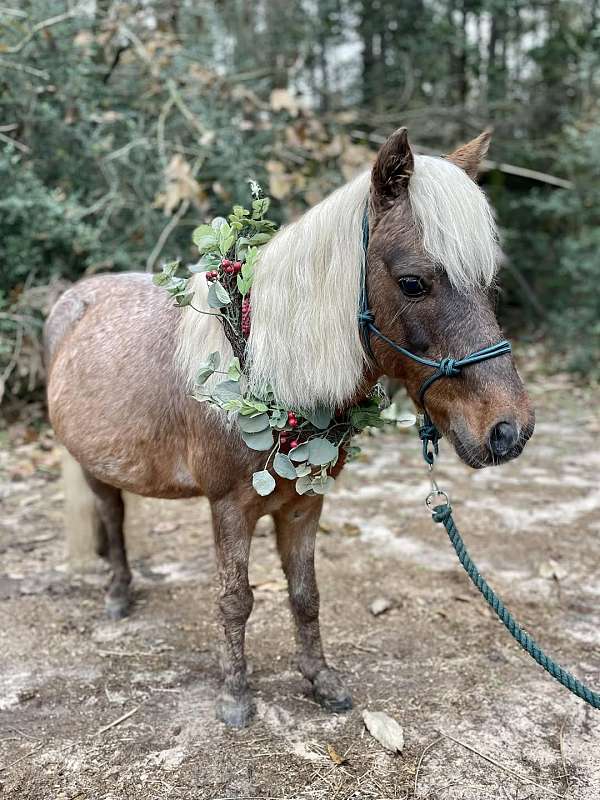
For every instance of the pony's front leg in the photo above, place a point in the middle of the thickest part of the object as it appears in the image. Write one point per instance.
(296, 527)
(233, 530)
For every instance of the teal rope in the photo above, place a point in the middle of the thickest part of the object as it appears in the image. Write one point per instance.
(443, 514)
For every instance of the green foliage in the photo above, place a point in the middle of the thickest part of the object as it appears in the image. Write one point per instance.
(122, 124)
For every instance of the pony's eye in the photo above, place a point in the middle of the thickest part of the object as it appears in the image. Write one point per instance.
(412, 286)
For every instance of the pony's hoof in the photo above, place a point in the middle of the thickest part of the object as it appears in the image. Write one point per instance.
(330, 691)
(236, 712)
(117, 607)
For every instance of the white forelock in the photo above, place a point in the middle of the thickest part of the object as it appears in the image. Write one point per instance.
(456, 222)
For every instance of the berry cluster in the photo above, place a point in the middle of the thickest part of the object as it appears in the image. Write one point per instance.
(246, 317)
(289, 439)
(286, 443)
(229, 267)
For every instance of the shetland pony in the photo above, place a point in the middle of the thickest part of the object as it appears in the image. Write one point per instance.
(121, 363)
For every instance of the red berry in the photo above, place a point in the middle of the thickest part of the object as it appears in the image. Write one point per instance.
(237, 265)
(226, 262)
(293, 423)
(293, 444)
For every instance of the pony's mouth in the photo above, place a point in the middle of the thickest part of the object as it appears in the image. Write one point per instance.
(478, 455)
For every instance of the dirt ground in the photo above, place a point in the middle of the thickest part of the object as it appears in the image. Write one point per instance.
(480, 719)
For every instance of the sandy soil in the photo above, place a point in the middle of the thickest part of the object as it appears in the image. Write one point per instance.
(436, 661)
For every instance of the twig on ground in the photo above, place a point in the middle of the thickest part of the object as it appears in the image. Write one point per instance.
(119, 720)
(420, 761)
(22, 758)
(500, 765)
(561, 744)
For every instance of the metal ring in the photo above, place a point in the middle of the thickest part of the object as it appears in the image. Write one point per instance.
(436, 493)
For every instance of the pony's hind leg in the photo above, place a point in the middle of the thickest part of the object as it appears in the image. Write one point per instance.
(233, 529)
(111, 510)
(296, 528)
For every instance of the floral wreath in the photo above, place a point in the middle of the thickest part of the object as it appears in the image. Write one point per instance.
(302, 445)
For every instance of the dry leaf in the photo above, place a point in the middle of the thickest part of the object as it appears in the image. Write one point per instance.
(282, 100)
(385, 729)
(380, 605)
(335, 756)
(350, 529)
(270, 586)
(551, 569)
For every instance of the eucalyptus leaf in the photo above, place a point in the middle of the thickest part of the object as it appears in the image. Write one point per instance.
(254, 424)
(218, 295)
(234, 370)
(366, 418)
(323, 487)
(227, 390)
(260, 238)
(320, 417)
(208, 367)
(260, 207)
(263, 482)
(262, 440)
(161, 279)
(304, 485)
(217, 223)
(226, 238)
(205, 238)
(184, 299)
(283, 466)
(321, 451)
(207, 262)
(303, 469)
(299, 453)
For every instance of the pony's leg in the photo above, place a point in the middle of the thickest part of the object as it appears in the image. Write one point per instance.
(111, 511)
(296, 528)
(233, 529)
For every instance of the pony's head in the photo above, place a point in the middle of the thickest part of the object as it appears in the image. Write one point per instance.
(431, 264)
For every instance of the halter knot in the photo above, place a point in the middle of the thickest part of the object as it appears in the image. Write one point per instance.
(449, 368)
(366, 316)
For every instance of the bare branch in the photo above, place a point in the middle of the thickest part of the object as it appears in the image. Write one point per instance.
(166, 232)
(46, 23)
(37, 73)
(19, 145)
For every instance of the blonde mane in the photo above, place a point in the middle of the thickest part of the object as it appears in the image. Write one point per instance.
(305, 340)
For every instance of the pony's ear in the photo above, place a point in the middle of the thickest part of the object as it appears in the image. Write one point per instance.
(471, 154)
(392, 169)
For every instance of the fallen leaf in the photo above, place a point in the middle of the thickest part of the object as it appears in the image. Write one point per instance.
(270, 586)
(380, 605)
(335, 756)
(551, 569)
(350, 529)
(385, 729)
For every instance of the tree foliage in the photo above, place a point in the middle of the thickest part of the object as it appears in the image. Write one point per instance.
(124, 124)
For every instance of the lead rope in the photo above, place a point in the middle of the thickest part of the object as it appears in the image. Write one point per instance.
(443, 514)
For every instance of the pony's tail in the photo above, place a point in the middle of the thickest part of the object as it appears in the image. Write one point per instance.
(84, 534)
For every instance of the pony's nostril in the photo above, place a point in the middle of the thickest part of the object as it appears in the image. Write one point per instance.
(503, 438)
